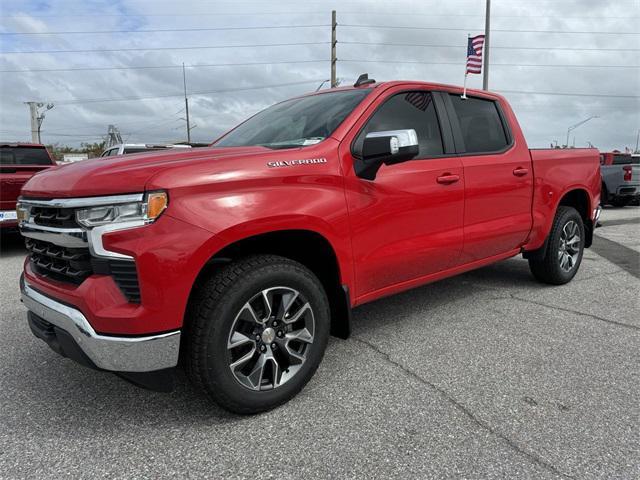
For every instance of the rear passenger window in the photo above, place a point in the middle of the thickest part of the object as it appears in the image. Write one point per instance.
(482, 128)
(407, 110)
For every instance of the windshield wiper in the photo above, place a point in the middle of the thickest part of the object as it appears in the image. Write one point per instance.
(298, 142)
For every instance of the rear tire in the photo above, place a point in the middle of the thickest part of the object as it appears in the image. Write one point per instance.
(565, 247)
(276, 313)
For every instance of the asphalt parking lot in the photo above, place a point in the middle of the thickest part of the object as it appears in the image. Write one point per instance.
(486, 375)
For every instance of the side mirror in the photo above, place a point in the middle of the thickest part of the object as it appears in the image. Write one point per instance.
(388, 147)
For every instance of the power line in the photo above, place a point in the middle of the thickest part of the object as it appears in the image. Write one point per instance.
(271, 27)
(493, 47)
(288, 12)
(164, 30)
(209, 92)
(492, 64)
(147, 67)
(408, 27)
(136, 49)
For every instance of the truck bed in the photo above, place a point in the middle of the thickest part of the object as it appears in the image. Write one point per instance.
(552, 167)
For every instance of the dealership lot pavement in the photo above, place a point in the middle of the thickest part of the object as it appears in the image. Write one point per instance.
(484, 375)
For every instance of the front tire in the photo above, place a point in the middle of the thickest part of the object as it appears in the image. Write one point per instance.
(564, 249)
(257, 332)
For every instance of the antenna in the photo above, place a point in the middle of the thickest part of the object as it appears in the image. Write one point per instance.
(364, 80)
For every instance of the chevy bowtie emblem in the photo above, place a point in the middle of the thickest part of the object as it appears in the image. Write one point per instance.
(291, 163)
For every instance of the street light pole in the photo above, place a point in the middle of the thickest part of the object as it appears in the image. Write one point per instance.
(573, 127)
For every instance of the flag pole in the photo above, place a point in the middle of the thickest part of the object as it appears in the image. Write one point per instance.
(464, 93)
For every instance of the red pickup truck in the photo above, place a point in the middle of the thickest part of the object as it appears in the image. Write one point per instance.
(238, 261)
(18, 163)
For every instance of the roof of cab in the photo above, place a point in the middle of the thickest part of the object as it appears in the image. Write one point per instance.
(409, 83)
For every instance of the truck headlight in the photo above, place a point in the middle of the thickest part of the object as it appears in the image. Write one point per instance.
(147, 211)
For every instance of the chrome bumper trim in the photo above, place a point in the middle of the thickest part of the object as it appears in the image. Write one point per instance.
(118, 354)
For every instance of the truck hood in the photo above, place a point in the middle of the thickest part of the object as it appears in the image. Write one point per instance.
(124, 174)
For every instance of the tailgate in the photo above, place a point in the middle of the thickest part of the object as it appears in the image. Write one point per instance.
(12, 178)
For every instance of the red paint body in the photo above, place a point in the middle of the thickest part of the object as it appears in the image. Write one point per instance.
(415, 223)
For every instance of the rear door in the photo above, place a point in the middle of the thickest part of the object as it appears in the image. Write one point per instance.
(407, 223)
(498, 178)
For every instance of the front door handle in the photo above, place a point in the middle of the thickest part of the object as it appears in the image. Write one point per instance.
(520, 172)
(448, 179)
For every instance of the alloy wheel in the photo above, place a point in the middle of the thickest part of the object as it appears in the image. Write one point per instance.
(569, 249)
(270, 338)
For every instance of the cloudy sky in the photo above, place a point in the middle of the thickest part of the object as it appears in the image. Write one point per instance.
(558, 62)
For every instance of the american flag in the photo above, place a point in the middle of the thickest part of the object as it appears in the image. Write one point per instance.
(474, 54)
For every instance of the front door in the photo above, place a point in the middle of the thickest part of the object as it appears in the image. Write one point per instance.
(408, 222)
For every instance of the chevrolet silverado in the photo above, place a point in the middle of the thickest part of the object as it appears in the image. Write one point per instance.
(237, 261)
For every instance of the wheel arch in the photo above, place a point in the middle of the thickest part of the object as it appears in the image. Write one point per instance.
(308, 247)
(579, 199)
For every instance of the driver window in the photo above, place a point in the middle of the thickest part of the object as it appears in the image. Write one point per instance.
(407, 110)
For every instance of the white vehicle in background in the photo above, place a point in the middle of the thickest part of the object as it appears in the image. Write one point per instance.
(127, 148)
(74, 157)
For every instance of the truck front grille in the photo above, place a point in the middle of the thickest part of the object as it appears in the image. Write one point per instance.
(74, 265)
(54, 217)
(59, 263)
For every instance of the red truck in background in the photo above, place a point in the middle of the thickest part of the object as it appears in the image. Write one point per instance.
(18, 163)
(238, 261)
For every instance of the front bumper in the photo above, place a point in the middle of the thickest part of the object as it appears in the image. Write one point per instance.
(113, 353)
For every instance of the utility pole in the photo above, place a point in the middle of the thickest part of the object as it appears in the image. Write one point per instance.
(37, 117)
(485, 53)
(334, 24)
(113, 136)
(637, 141)
(186, 103)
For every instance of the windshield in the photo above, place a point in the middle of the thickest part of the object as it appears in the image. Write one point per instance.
(24, 156)
(295, 123)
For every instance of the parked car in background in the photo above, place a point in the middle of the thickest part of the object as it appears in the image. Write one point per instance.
(18, 163)
(74, 157)
(239, 260)
(620, 178)
(127, 148)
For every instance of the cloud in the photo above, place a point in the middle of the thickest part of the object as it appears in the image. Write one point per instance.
(544, 118)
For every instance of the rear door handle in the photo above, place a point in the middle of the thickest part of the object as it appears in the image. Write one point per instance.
(448, 179)
(520, 172)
